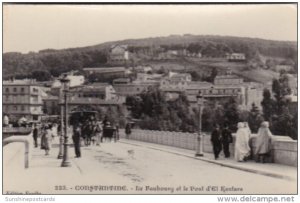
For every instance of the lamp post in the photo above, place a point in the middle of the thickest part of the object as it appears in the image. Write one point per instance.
(199, 147)
(61, 137)
(65, 162)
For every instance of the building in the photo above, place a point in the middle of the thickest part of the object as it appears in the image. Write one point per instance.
(175, 82)
(51, 105)
(228, 80)
(118, 54)
(245, 94)
(287, 68)
(132, 88)
(119, 72)
(144, 77)
(102, 91)
(95, 95)
(143, 69)
(236, 57)
(121, 81)
(22, 98)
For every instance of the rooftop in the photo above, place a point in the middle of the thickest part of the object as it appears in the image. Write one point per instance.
(227, 77)
(105, 69)
(21, 82)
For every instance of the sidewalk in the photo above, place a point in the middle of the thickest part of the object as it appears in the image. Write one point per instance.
(268, 169)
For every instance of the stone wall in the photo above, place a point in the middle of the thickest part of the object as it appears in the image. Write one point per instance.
(284, 149)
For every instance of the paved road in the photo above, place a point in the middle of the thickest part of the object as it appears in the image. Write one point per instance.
(137, 169)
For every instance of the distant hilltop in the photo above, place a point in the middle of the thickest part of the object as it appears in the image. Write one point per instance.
(259, 53)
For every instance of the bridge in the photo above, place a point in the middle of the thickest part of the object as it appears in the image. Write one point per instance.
(143, 164)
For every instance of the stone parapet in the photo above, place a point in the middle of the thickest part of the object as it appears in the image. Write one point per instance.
(284, 149)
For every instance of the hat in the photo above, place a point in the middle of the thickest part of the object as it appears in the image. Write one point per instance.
(265, 124)
(240, 125)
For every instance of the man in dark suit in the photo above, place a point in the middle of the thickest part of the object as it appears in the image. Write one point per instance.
(76, 139)
(226, 140)
(216, 141)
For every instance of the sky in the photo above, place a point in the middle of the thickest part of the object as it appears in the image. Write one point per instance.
(36, 27)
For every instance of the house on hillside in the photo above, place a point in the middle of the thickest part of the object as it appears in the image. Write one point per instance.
(228, 80)
(287, 68)
(107, 71)
(118, 54)
(236, 57)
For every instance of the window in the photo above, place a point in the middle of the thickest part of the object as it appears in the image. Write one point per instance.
(22, 108)
(15, 89)
(7, 89)
(34, 99)
(15, 108)
(22, 89)
(6, 98)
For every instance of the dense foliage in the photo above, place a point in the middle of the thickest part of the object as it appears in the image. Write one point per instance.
(156, 113)
(49, 63)
(276, 108)
(55, 62)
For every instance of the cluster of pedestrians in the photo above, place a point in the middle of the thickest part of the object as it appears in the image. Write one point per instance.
(47, 132)
(221, 139)
(93, 132)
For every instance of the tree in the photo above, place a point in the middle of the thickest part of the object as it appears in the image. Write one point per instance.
(281, 89)
(255, 118)
(41, 75)
(231, 113)
(213, 74)
(195, 76)
(267, 105)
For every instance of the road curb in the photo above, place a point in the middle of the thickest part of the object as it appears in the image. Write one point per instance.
(250, 170)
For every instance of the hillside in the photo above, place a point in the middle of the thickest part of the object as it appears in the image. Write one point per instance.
(259, 52)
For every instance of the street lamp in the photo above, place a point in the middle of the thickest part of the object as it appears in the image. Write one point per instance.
(199, 147)
(61, 137)
(65, 162)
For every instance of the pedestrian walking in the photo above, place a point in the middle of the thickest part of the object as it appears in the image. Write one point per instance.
(127, 130)
(48, 139)
(216, 141)
(226, 140)
(242, 149)
(76, 140)
(54, 131)
(117, 136)
(263, 142)
(5, 121)
(98, 132)
(35, 135)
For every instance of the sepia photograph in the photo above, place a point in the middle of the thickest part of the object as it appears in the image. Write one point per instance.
(149, 99)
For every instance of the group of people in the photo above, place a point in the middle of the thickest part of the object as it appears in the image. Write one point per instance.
(221, 138)
(90, 132)
(47, 132)
(93, 132)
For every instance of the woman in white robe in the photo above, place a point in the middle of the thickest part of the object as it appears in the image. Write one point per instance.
(263, 142)
(242, 149)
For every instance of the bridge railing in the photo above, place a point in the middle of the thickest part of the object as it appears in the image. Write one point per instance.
(284, 149)
(15, 148)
